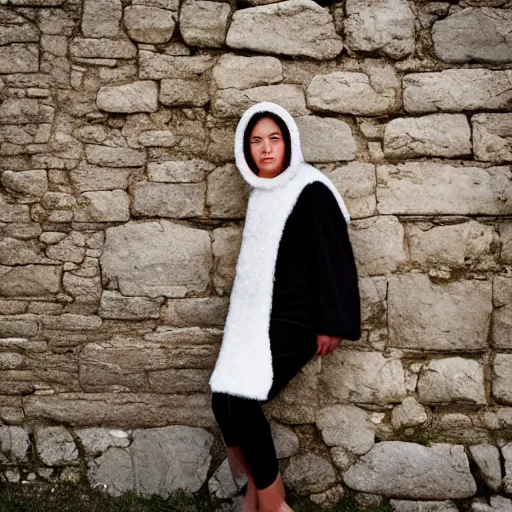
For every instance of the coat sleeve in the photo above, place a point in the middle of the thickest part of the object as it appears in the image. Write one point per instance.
(334, 273)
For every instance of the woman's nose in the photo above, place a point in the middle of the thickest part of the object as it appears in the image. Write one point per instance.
(266, 146)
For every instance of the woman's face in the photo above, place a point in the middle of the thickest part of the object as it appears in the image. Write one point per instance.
(267, 147)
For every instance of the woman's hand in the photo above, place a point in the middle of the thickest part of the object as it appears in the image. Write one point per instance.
(326, 344)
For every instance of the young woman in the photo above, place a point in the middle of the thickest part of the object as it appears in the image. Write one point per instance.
(295, 293)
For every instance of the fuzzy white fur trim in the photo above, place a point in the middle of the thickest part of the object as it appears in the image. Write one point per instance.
(244, 365)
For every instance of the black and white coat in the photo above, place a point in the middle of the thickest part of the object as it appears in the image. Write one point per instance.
(244, 364)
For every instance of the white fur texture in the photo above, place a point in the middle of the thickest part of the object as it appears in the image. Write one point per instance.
(244, 365)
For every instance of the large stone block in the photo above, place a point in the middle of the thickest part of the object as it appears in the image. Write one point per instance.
(115, 305)
(239, 72)
(502, 314)
(309, 473)
(25, 111)
(449, 316)
(421, 188)
(179, 380)
(176, 200)
(91, 48)
(356, 183)
(155, 259)
(412, 471)
(17, 29)
(363, 377)
(379, 245)
(385, 26)
(506, 242)
(55, 446)
(13, 212)
(325, 139)
(502, 378)
(204, 23)
(30, 280)
(452, 380)
(492, 137)
(19, 58)
(179, 171)
(373, 291)
(226, 246)
(101, 18)
(203, 311)
(347, 92)
(474, 34)
(155, 66)
(103, 206)
(446, 135)
(227, 193)
(114, 157)
(456, 90)
(141, 96)
(233, 102)
(88, 177)
(487, 458)
(120, 410)
(149, 24)
(31, 185)
(456, 245)
(298, 28)
(181, 92)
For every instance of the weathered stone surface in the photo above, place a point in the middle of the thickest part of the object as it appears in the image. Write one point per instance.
(239, 72)
(378, 244)
(233, 102)
(115, 305)
(91, 48)
(88, 177)
(506, 241)
(156, 66)
(492, 137)
(70, 248)
(169, 199)
(157, 138)
(103, 206)
(203, 312)
(19, 58)
(55, 446)
(411, 471)
(432, 135)
(182, 92)
(345, 92)
(285, 440)
(29, 280)
(155, 259)
(424, 506)
(502, 380)
(226, 246)
(18, 327)
(474, 34)
(113, 469)
(384, 26)
(346, 426)
(101, 18)
(179, 171)
(72, 322)
(227, 193)
(114, 157)
(25, 111)
(363, 377)
(457, 245)
(373, 292)
(97, 440)
(14, 443)
(141, 96)
(455, 90)
(453, 379)
(30, 184)
(502, 314)
(12, 212)
(506, 450)
(408, 414)
(221, 484)
(309, 473)
(487, 458)
(204, 23)
(428, 316)
(120, 410)
(179, 380)
(326, 139)
(432, 188)
(149, 24)
(356, 183)
(17, 29)
(299, 27)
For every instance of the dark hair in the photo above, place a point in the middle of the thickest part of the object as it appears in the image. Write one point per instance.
(247, 139)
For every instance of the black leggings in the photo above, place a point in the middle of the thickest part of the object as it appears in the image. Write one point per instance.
(242, 421)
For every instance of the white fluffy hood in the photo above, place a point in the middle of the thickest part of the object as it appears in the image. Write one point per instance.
(296, 153)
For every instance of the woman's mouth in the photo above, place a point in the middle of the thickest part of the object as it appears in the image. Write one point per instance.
(266, 160)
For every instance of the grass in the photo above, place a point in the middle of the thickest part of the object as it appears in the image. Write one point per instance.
(43, 497)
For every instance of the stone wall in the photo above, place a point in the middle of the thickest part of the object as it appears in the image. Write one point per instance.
(121, 213)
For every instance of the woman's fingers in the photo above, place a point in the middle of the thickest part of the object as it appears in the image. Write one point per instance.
(326, 344)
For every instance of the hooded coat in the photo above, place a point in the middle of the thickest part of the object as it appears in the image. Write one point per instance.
(244, 364)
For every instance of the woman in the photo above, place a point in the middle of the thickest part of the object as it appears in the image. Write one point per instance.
(295, 293)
